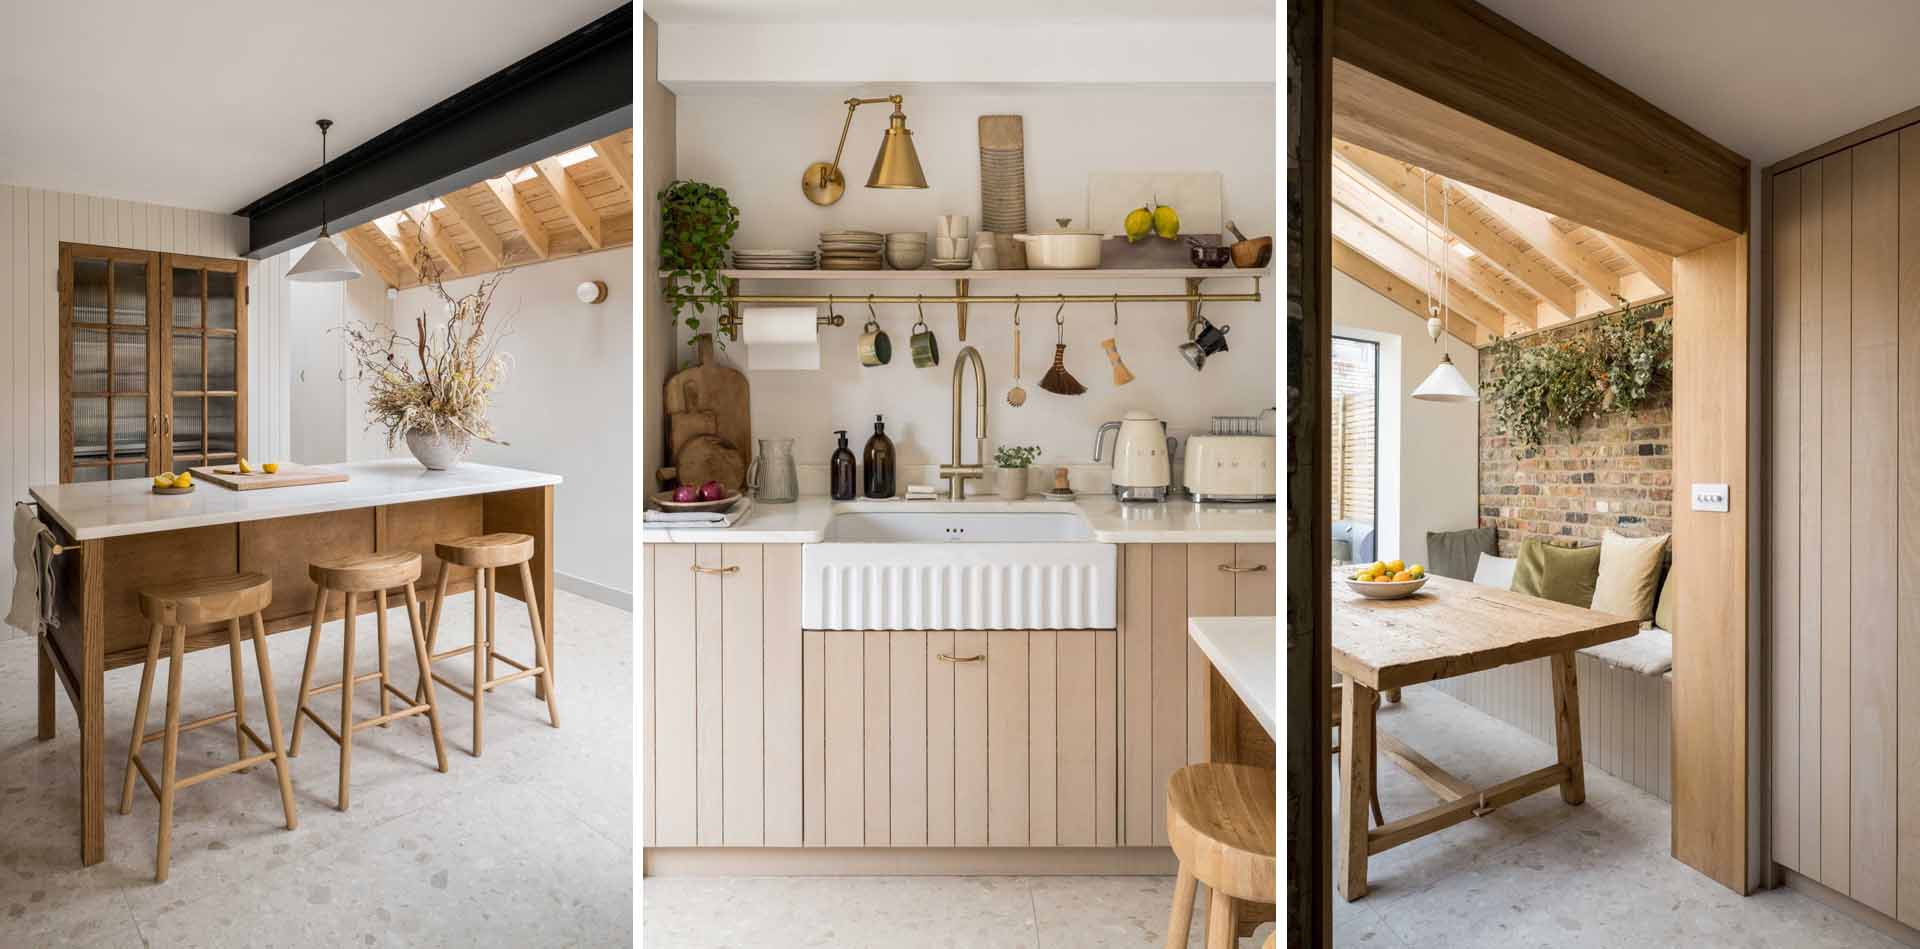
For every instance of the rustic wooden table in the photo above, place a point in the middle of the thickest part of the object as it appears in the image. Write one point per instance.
(1450, 628)
(121, 538)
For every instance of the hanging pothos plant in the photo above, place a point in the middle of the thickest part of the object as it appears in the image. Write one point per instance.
(1617, 366)
(696, 224)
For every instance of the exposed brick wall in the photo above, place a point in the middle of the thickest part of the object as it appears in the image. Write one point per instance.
(1615, 472)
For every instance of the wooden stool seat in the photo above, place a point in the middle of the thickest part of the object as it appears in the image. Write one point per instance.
(352, 576)
(1221, 824)
(485, 555)
(207, 600)
(486, 550)
(175, 607)
(366, 573)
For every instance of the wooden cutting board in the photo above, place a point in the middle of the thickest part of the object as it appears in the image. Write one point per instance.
(706, 458)
(227, 476)
(711, 388)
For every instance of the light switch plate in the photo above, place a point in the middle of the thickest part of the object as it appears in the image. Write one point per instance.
(1710, 497)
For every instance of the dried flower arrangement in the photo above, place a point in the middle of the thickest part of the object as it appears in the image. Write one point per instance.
(447, 395)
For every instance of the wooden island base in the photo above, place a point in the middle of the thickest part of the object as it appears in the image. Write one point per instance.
(99, 580)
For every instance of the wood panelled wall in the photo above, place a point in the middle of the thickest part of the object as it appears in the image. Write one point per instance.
(1843, 455)
(33, 222)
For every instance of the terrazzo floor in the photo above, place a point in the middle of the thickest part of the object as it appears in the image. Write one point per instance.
(530, 845)
(1540, 873)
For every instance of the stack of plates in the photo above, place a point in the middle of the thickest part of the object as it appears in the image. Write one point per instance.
(774, 259)
(850, 249)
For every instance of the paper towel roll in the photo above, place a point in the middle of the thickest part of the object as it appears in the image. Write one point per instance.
(780, 337)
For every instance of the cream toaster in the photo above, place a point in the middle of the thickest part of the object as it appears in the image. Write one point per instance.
(1231, 468)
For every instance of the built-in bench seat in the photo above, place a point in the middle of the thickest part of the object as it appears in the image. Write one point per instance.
(1626, 698)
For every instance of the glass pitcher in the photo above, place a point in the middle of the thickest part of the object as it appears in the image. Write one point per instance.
(771, 477)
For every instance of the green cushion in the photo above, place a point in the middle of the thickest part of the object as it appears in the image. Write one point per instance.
(1665, 614)
(1565, 574)
(1456, 553)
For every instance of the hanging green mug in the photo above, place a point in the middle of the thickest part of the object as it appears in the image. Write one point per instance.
(926, 348)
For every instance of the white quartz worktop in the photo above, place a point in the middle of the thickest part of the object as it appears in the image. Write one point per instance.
(1244, 650)
(99, 509)
(1110, 521)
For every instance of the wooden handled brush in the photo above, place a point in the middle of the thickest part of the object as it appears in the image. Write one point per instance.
(1058, 380)
(1121, 374)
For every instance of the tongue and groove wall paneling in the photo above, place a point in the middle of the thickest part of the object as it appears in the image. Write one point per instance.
(1843, 452)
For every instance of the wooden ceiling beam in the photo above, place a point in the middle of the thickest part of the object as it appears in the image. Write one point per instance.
(619, 161)
(1417, 235)
(403, 244)
(437, 238)
(1375, 245)
(1656, 266)
(572, 201)
(467, 213)
(1416, 190)
(524, 220)
(1536, 228)
(1408, 296)
(374, 255)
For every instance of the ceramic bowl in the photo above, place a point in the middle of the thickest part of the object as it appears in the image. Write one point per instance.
(667, 503)
(906, 257)
(1386, 589)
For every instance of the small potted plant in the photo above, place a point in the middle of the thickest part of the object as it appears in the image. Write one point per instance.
(697, 221)
(433, 389)
(1013, 461)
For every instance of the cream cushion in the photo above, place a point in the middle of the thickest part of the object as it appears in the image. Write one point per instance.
(1629, 580)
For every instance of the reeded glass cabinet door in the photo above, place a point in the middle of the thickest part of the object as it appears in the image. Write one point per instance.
(109, 397)
(204, 420)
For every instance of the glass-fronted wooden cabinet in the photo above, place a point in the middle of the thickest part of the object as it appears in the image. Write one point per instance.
(153, 362)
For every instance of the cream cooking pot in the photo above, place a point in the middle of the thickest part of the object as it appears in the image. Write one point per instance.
(1062, 248)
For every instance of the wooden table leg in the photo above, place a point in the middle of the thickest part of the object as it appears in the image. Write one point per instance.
(46, 691)
(1566, 727)
(93, 713)
(1356, 783)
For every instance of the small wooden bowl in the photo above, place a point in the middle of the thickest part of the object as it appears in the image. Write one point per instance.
(186, 490)
(1386, 589)
(1253, 254)
(667, 503)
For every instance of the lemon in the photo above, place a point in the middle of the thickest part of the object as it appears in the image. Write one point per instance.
(1138, 223)
(270, 467)
(1402, 577)
(1417, 571)
(1379, 566)
(183, 479)
(163, 480)
(245, 466)
(1395, 566)
(1166, 222)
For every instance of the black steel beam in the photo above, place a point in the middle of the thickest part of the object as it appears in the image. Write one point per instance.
(570, 92)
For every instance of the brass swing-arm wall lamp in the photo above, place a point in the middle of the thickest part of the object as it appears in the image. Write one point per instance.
(897, 165)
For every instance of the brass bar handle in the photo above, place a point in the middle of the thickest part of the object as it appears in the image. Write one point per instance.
(1236, 568)
(700, 569)
(946, 658)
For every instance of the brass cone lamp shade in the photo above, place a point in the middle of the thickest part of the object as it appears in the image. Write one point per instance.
(897, 165)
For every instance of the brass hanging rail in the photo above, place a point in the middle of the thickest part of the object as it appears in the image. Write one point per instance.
(1193, 298)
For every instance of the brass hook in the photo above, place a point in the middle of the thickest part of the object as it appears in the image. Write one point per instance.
(1016, 311)
(1059, 320)
(1116, 309)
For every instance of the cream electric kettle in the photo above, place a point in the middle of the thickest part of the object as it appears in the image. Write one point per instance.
(1142, 456)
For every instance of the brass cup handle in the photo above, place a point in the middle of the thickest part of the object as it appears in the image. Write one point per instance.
(946, 658)
(700, 569)
(1236, 568)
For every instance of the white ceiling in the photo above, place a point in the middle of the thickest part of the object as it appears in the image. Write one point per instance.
(1766, 78)
(210, 105)
(934, 11)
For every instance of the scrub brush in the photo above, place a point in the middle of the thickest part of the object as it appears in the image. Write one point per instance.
(1058, 380)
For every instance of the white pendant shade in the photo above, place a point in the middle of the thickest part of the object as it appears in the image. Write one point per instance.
(324, 262)
(1446, 384)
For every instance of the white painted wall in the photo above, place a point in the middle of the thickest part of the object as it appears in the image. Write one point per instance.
(328, 424)
(33, 223)
(756, 144)
(656, 154)
(1429, 451)
(567, 405)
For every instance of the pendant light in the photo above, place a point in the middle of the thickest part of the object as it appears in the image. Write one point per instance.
(1444, 383)
(324, 261)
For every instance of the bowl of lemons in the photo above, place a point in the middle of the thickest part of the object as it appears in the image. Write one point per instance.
(170, 483)
(1387, 579)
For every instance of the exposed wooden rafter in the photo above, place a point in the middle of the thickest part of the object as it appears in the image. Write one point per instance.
(572, 202)
(1407, 295)
(436, 237)
(1657, 267)
(463, 209)
(522, 216)
(373, 256)
(619, 161)
(1419, 189)
(1536, 228)
(1394, 256)
(403, 244)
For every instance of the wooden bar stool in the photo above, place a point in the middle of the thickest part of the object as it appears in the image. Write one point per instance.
(486, 554)
(352, 576)
(176, 607)
(1220, 821)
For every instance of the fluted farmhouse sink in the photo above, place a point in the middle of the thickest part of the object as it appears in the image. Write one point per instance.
(937, 570)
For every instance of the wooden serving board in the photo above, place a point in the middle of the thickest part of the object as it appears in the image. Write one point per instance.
(228, 476)
(709, 402)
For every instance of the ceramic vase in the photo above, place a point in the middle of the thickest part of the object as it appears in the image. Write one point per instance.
(437, 451)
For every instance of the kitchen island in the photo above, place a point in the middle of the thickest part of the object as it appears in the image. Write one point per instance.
(118, 537)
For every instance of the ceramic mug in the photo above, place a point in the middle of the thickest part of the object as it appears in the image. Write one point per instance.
(875, 348)
(926, 349)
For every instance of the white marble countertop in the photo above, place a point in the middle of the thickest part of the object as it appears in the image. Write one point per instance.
(1245, 650)
(99, 509)
(1109, 521)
